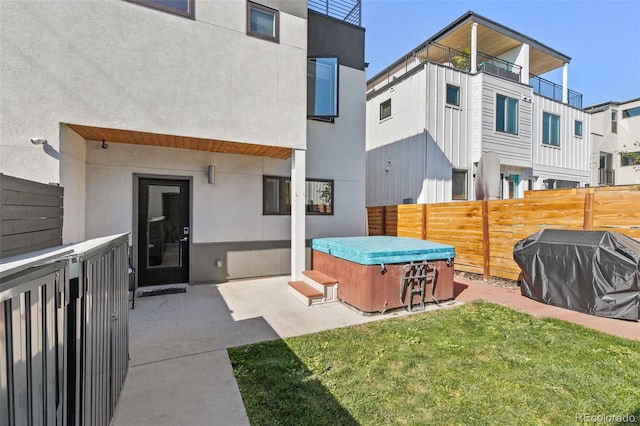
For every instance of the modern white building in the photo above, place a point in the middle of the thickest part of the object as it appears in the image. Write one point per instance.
(615, 128)
(474, 87)
(222, 135)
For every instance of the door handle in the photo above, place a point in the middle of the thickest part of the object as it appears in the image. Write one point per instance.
(184, 239)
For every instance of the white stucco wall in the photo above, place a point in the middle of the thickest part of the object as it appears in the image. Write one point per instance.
(337, 151)
(119, 65)
(73, 158)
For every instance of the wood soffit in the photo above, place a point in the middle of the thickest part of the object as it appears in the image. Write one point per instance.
(494, 43)
(181, 142)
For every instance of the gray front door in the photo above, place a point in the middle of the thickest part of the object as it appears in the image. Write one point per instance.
(163, 231)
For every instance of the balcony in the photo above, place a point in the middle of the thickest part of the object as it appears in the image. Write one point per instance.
(607, 177)
(553, 91)
(349, 11)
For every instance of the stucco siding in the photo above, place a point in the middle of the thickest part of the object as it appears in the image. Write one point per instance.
(130, 67)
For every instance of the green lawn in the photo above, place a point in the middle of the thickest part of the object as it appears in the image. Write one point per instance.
(476, 364)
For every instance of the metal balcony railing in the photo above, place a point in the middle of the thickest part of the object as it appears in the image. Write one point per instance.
(349, 11)
(499, 67)
(553, 91)
(607, 177)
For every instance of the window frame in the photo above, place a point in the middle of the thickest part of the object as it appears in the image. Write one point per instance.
(328, 117)
(628, 160)
(549, 142)
(507, 116)
(575, 128)
(382, 106)
(614, 121)
(284, 209)
(458, 197)
(190, 13)
(457, 104)
(276, 22)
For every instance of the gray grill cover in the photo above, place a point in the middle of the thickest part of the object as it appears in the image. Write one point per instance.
(595, 272)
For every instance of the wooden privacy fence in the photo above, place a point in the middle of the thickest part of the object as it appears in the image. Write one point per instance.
(485, 232)
(31, 216)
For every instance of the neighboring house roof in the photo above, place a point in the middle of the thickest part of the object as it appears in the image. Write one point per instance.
(494, 39)
(605, 105)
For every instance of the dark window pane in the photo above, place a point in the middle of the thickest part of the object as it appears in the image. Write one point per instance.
(271, 195)
(459, 184)
(578, 128)
(500, 113)
(512, 115)
(453, 95)
(385, 109)
(631, 112)
(178, 7)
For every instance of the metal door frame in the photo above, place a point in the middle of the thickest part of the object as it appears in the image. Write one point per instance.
(135, 211)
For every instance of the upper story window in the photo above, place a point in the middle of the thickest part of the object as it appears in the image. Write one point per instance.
(459, 185)
(506, 114)
(453, 95)
(385, 109)
(322, 87)
(577, 128)
(550, 129)
(614, 121)
(263, 22)
(184, 8)
(631, 112)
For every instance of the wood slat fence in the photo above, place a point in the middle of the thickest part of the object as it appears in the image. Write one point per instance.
(30, 216)
(485, 232)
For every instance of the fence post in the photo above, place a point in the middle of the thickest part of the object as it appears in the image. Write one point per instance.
(486, 251)
(424, 221)
(384, 220)
(588, 211)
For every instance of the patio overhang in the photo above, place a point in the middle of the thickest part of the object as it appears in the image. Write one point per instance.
(182, 142)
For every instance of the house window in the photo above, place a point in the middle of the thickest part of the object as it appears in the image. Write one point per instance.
(550, 129)
(262, 22)
(184, 8)
(453, 95)
(385, 109)
(322, 87)
(577, 128)
(629, 159)
(631, 112)
(506, 114)
(614, 121)
(459, 184)
(319, 196)
(276, 198)
(276, 195)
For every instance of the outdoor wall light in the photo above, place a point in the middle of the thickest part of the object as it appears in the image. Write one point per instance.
(211, 174)
(38, 141)
(104, 145)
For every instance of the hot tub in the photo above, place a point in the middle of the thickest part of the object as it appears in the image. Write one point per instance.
(368, 269)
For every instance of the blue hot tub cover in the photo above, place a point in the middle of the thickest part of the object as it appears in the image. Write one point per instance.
(379, 250)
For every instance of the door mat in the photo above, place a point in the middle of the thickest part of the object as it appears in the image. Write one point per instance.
(161, 291)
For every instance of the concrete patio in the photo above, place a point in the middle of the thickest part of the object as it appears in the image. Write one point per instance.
(180, 373)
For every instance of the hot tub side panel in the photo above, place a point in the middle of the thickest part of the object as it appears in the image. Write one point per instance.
(367, 289)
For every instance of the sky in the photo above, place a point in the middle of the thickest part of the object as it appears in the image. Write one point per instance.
(602, 38)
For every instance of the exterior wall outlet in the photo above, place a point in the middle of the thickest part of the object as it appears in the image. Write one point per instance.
(219, 263)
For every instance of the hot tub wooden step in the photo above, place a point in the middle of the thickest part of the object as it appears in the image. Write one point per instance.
(304, 292)
(319, 277)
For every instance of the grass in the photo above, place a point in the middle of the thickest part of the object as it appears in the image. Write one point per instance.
(476, 364)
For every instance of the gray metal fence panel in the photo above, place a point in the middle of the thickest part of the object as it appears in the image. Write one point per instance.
(31, 305)
(105, 332)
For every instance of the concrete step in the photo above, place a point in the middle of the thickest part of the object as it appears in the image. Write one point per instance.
(305, 292)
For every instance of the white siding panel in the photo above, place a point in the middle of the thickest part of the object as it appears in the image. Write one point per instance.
(569, 161)
(514, 150)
